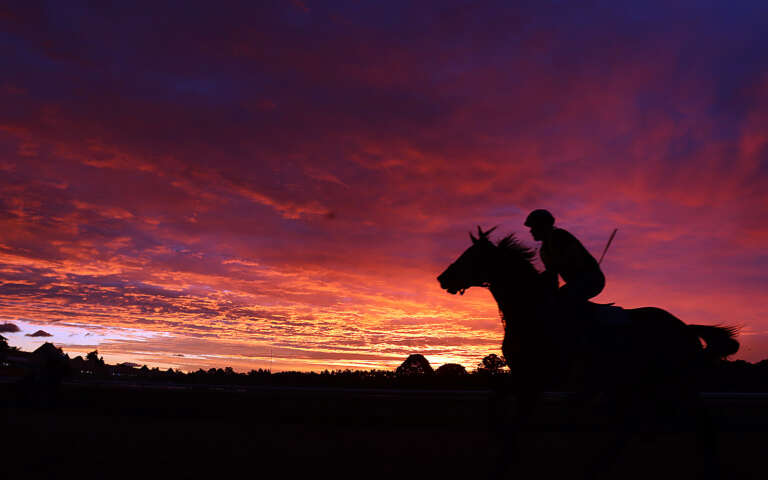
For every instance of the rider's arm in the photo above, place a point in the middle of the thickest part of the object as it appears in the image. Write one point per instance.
(549, 275)
(572, 253)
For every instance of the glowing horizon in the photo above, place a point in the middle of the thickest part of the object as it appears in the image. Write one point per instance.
(278, 186)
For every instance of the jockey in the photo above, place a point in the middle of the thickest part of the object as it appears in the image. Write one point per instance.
(564, 255)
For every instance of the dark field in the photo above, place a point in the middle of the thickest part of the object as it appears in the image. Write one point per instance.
(110, 431)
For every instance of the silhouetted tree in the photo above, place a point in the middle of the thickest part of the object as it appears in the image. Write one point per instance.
(50, 366)
(451, 370)
(3, 348)
(492, 364)
(415, 364)
(93, 357)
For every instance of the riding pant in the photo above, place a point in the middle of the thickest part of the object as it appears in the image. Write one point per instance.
(583, 287)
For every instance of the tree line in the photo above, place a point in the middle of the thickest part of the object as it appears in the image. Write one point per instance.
(49, 364)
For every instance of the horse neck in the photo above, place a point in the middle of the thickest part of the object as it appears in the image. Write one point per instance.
(517, 297)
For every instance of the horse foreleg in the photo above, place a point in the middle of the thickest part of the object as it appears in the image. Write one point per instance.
(497, 413)
(506, 428)
(496, 400)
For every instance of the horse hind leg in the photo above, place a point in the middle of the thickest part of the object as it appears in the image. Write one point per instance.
(694, 416)
(708, 458)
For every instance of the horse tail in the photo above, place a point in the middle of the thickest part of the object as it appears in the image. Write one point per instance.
(721, 341)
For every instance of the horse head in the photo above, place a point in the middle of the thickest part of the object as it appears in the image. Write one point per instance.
(473, 268)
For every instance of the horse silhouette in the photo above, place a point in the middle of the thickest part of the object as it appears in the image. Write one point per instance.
(648, 359)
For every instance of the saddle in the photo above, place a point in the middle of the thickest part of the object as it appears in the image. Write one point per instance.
(590, 314)
(606, 315)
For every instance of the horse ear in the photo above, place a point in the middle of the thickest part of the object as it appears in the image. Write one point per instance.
(474, 240)
(485, 234)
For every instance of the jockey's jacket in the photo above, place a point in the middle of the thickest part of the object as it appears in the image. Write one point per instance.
(564, 254)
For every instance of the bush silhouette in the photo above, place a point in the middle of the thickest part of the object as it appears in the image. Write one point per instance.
(451, 370)
(414, 365)
(492, 364)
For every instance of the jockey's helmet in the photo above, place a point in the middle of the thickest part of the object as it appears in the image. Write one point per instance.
(540, 218)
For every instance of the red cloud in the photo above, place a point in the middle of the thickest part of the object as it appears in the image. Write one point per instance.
(197, 202)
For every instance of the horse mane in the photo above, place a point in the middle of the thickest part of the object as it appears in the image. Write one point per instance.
(515, 252)
(511, 245)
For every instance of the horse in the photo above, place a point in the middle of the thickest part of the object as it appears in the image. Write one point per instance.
(648, 357)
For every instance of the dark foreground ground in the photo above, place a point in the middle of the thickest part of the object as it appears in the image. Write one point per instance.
(108, 431)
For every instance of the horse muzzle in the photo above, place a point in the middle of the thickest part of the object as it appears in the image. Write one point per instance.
(453, 290)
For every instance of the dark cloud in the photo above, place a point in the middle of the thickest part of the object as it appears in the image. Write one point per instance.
(8, 328)
(39, 333)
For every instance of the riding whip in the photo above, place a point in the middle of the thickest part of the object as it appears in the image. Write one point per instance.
(607, 245)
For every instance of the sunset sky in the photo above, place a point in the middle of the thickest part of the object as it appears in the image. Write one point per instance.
(278, 184)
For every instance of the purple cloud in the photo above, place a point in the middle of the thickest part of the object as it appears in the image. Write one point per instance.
(8, 328)
(39, 333)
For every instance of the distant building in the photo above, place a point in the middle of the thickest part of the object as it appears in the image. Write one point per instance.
(78, 365)
(49, 351)
(126, 369)
(17, 363)
(50, 362)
